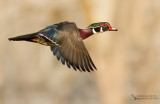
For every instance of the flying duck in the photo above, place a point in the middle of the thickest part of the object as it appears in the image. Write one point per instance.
(66, 41)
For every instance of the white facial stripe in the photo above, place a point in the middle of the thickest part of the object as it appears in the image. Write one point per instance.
(93, 30)
(101, 29)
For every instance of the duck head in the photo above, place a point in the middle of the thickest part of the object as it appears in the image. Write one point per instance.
(101, 27)
(96, 28)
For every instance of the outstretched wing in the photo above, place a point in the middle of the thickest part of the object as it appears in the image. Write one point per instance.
(69, 47)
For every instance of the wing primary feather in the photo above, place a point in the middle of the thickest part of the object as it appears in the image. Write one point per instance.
(88, 69)
(68, 64)
(52, 48)
(88, 62)
(71, 56)
(91, 61)
(74, 67)
(85, 62)
(82, 68)
(75, 60)
(77, 66)
(55, 51)
(79, 60)
(62, 60)
(58, 55)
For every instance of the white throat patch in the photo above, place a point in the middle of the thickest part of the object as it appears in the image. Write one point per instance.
(101, 29)
(93, 30)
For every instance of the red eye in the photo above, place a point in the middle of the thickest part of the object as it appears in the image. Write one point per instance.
(104, 25)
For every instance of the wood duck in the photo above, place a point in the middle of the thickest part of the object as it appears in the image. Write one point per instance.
(66, 42)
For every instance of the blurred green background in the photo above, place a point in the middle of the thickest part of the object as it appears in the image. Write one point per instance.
(128, 60)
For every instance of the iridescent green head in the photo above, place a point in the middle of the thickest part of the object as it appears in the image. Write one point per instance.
(101, 27)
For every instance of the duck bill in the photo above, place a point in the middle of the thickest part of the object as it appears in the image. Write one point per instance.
(112, 29)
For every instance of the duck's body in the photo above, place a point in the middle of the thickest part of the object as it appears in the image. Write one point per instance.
(66, 42)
